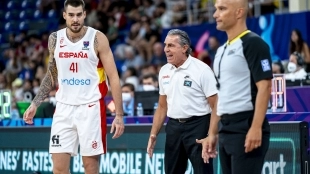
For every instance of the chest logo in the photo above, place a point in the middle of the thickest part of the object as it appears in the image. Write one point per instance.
(86, 44)
(230, 52)
(187, 83)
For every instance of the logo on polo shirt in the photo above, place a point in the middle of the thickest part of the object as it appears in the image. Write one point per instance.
(187, 83)
(166, 77)
(231, 52)
(265, 65)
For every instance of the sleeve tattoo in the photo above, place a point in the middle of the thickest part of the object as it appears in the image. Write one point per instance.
(48, 82)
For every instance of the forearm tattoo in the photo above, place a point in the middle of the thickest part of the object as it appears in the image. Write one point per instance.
(48, 82)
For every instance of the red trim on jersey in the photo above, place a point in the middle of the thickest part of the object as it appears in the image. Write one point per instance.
(103, 88)
(99, 64)
(103, 125)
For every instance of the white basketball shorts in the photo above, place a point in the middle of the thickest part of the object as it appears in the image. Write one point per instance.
(83, 125)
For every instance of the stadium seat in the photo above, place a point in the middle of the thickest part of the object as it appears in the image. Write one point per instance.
(51, 14)
(11, 15)
(26, 14)
(24, 25)
(2, 5)
(26, 4)
(38, 3)
(2, 14)
(13, 4)
(37, 14)
(1, 26)
(11, 26)
(41, 25)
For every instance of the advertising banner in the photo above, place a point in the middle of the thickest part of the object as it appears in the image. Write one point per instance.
(24, 150)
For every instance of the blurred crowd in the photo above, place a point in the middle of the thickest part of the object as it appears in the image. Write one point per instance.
(133, 28)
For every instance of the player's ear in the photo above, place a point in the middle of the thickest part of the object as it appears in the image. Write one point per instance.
(64, 15)
(240, 12)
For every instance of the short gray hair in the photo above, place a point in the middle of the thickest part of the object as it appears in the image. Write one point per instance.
(184, 39)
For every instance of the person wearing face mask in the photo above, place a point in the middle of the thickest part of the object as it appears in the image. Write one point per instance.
(150, 82)
(128, 98)
(295, 67)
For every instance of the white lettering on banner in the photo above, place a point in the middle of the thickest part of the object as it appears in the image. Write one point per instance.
(271, 167)
(120, 162)
(114, 160)
(128, 163)
(8, 160)
(155, 164)
(122, 167)
(36, 161)
(78, 164)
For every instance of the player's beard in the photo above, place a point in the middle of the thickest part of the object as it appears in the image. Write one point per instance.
(75, 29)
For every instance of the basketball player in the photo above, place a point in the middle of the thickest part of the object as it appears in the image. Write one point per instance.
(80, 62)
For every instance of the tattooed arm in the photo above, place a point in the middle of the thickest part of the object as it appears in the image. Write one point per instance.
(50, 78)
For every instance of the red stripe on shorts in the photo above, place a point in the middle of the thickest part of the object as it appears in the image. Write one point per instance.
(103, 125)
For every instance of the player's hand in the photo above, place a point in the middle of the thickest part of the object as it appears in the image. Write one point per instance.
(253, 139)
(29, 114)
(151, 145)
(208, 147)
(118, 126)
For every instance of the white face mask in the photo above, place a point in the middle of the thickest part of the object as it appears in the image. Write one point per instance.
(148, 88)
(291, 67)
(126, 97)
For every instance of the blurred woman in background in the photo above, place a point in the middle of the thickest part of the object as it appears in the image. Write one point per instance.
(297, 44)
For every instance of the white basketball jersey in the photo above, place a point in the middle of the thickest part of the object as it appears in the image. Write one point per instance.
(81, 77)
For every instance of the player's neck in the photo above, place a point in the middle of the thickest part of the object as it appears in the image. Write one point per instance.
(75, 37)
(236, 31)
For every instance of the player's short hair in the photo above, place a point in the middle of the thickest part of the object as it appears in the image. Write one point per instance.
(74, 3)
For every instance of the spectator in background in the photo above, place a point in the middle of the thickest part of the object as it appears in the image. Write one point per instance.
(13, 66)
(204, 57)
(150, 82)
(277, 67)
(2, 64)
(165, 15)
(297, 44)
(36, 48)
(40, 73)
(148, 8)
(17, 90)
(148, 69)
(131, 76)
(132, 59)
(112, 33)
(3, 82)
(28, 69)
(36, 86)
(158, 57)
(28, 93)
(295, 67)
(128, 92)
(146, 42)
(213, 45)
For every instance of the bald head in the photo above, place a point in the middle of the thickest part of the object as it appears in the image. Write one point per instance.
(243, 4)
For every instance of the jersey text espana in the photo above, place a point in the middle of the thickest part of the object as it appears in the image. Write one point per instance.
(81, 77)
